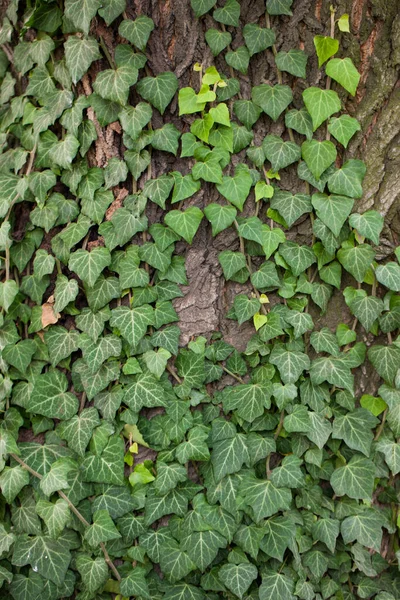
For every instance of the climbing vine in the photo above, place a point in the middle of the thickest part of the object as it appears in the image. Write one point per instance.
(270, 476)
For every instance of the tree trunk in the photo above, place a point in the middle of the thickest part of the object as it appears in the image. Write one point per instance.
(374, 45)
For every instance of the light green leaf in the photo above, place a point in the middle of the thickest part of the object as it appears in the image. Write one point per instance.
(389, 276)
(318, 156)
(344, 72)
(325, 47)
(185, 223)
(343, 128)
(348, 179)
(321, 104)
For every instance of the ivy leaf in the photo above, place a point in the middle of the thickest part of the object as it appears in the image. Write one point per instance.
(272, 99)
(293, 62)
(368, 224)
(202, 547)
(299, 258)
(229, 14)
(20, 355)
(12, 480)
(279, 7)
(263, 497)
(385, 360)
(239, 59)
(325, 47)
(356, 260)
(220, 217)
(321, 104)
(8, 292)
(278, 536)
(279, 153)
(245, 307)
(291, 207)
(290, 363)
(137, 32)
(344, 72)
(391, 450)
(81, 13)
(228, 456)
(185, 223)
(249, 400)
(367, 309)
(365, 528)
(236, 189)
(50, 558)
(355, 428)
(78, 430)
(159, 90)
(200, 7)
(40, 183)
(300, 121)
(79, 55)
(102, 529)
(158, 189)
(209, 170)
(50, 398)
(355, 479)
(135, 584)
(389, 275)
(93, 572)
(89, 265)
(325, 341)
(184, 187)
(238, 578)
(109, 466)
(318, 156)
(289, 473)
(258, 38)
(326, 531)
(348, 179)
(334, 370)
(114, 84)
(55, 515)
(66, 291)
(231, 263)
(134, 118)
(332, 210)
(217, 40)
(343, 128)
(247, 112)
(132, 323)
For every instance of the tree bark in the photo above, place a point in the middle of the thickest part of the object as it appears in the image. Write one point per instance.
(178, 42)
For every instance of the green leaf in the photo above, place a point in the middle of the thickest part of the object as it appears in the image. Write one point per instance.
(102, 529)
(389, 276)
(289, 473)
(279, 7)
(332, 210)
(385, 360)
(50, 398)
(290, 363)
(318, 156)
(291, 207)
(257, 38)
(321, 104)
(326, 531)
(79, 55)
(78, 430)
(12, 480)
(343, 128)
(364, 528)
(367, 309)
(41, 183)
(368, 224)
(324, 341)
(20, 355)
(107, 468)
(277, 586)
(229, 14)
(220, 217)
(132, 323)
(135, 584)
(114, 84)
(8, 292)
(293, 62)
(158, 189)
(89, 265)
(238, 578)
(200, 7)
(239, 59)
(391, 450)
(236, 189)
(249, 400)
(134, 118)
(202, 547)
(93, 572)
(348, 179)
(50, 558)
(185, 223)
(245, 307)
(159, 90)
(217, 40)
(334, 370)
(209, 170)
(355, 429)
(299, 258)
(344, 72)
(228, 455)
(55, 515)
(357, 260)
(66, 291)
(81, 12)
(280, 153)
(355, 479)
(137, 32)
(272, 99)
(300, 121)
(325, 47)
(279, 533)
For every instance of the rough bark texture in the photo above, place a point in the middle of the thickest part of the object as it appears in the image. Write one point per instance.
(374, 45)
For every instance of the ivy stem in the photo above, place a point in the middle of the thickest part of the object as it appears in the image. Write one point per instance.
(239, 379)
(328, 79)
(174, 374)
(280, 425)
(381, 426)
(274, 50)
(74, 510)
(106, 52)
